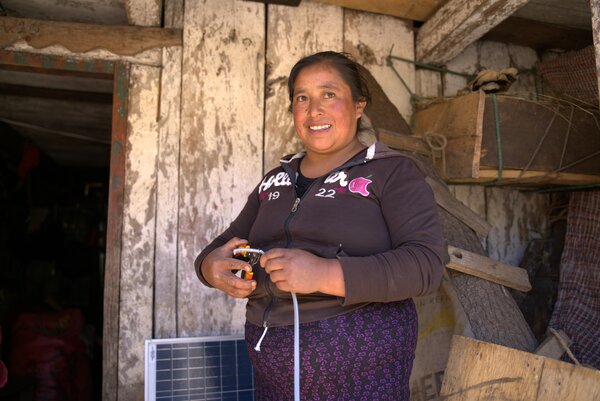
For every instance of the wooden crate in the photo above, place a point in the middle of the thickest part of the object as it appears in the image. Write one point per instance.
(478, 370)
(540, 144)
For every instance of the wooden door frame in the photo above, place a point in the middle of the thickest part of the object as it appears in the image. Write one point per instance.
(118, 71)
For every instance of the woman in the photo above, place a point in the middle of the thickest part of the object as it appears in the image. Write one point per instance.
(353, 230)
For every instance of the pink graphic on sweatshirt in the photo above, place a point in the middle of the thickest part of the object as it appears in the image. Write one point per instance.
(359, 186)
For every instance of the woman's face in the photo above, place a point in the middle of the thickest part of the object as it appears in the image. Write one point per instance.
(325, 115)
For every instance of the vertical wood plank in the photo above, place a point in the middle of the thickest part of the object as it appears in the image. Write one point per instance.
(292, 33)
(137, 256)
(167, 211)
(112, 269)
(370, 38)
(595, 6)
(221, 145)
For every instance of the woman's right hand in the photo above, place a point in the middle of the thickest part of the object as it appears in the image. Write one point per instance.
(219, 269)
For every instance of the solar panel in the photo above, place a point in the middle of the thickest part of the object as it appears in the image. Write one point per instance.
(198, 369)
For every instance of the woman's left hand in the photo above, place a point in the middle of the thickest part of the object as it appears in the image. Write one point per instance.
(295, 270)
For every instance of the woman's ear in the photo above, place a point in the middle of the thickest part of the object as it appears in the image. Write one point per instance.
(360, 108)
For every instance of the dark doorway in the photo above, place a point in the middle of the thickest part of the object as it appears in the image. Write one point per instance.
(56, 131)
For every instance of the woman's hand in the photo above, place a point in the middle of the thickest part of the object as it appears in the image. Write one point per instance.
(219, 268)
(295, 270)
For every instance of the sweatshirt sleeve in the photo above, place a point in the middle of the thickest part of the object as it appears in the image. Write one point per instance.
(240, 228)
(413, 266)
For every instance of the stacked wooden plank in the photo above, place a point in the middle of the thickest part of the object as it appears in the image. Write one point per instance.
(478, 370)
(507, 140)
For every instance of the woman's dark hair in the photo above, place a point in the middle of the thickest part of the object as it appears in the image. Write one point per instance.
(348, 69)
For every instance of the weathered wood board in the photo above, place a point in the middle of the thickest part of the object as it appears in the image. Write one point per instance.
(595, 6)
(167, 184)
(138, 237)
(489, 269)
(221, 146)
(114, 229)
(81, 38)
(287, 42)
(478, 370)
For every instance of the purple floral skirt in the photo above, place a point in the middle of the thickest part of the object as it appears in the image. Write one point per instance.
(366, 354)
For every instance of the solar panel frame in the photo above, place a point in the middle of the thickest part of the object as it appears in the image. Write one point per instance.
(212, 368)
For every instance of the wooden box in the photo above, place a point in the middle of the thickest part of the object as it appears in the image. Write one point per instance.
(478, 370)
(513, 141)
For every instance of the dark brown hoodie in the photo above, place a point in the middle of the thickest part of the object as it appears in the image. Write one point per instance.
(375, 213)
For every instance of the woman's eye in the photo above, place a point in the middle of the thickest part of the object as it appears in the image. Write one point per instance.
(301, 98)
(329, 95)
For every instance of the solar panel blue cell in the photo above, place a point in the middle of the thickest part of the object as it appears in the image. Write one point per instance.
(180, 353)
(212, 349)
(181, 384)
(164, 364)
(245, 381)
(163, 353)
(196, 352)
(197, 362)
(214, 360)
(212, 371)
(180, 363)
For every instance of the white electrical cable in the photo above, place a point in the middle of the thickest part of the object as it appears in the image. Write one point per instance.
(296, 349)
(253, 255)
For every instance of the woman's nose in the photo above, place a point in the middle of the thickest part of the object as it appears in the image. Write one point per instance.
(314, 108)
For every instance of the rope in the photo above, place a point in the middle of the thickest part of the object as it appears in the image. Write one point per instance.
(437, 143)
(564, 345)
(426, 66)
(498, 140)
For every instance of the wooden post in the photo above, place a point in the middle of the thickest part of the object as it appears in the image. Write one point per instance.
(595, 6)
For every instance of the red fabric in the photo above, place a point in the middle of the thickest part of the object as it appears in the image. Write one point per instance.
(47, 348)
(3, 371)
(29, 159)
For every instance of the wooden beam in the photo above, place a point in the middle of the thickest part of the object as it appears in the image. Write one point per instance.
(488, 269)
(396, 140)
(409, 9)
(55, 93)
(81, 38)
(459, 23)
(447, 201)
